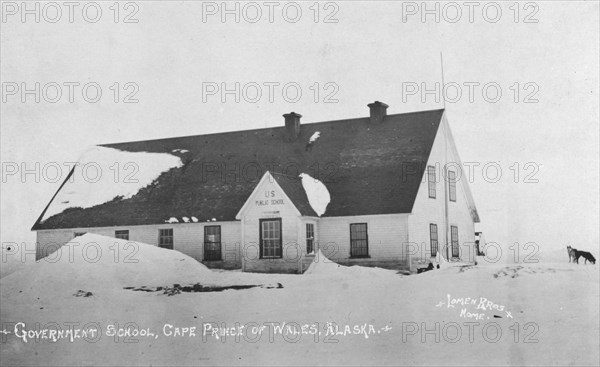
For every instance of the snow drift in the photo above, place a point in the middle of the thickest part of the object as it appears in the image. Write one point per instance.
(560, 300)
(323, 267)
(101, 265)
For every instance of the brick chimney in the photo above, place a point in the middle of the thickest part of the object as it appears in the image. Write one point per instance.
(292, 125)
(378, 111)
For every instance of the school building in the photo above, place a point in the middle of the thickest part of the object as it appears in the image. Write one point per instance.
(396, 196)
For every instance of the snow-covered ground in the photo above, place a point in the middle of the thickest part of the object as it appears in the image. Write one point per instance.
(542, 313)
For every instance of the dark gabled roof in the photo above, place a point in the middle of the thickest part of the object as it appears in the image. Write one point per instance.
(367, 168)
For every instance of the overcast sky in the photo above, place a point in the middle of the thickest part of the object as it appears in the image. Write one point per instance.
(544, 53)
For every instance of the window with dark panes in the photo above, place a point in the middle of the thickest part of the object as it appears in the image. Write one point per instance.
(122, 234)
(310, 238)
(452, 185)
(431, 181)
(212, 243)
(454, 238)
(165, 238)
(270, 238)
(433, 238)
(359, 240)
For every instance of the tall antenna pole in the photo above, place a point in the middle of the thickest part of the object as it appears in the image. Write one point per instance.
(443, 82)
(445, 169)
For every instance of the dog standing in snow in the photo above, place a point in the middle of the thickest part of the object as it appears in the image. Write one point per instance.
(586, 255)
(571, 252)
(576, 254)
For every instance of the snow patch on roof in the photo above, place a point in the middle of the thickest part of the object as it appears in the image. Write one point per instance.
(194, 219)
(172, 220)
(102, 174)
(314, 137)
(186, 219)
(317, 193)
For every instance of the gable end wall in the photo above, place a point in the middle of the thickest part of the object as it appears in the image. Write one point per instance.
(427, 210)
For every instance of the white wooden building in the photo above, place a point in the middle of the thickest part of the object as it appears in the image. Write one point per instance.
(390, 206)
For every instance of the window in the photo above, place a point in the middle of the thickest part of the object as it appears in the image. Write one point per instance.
(431, 181)
(454, 238)
(212, 243)
(452, 185)
(359, 240)
(122, 234)
(270, 238)
(310, 238)
(78, 234)
(165, 238)
(433, 239)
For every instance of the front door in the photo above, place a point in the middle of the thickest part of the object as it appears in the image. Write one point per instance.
(212, 243)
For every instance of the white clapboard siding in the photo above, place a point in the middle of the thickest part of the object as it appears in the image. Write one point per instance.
(387, 234)
(427, 210)
(188, 238)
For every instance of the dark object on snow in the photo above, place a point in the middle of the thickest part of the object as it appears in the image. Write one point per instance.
(497, 317)
(81, 293)
(199, 288)
(586, 255)
(575, 254)
(571, 252)
(429, 267)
